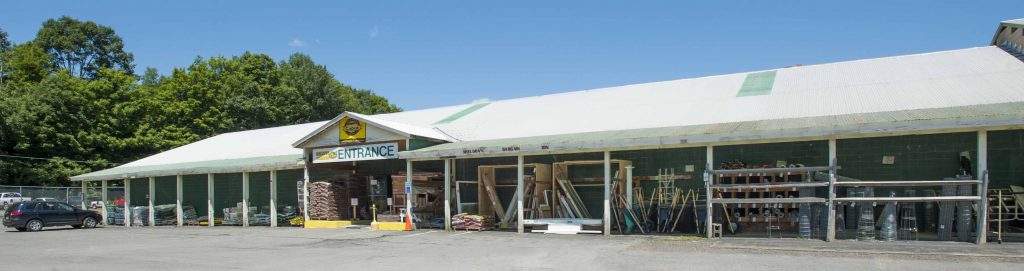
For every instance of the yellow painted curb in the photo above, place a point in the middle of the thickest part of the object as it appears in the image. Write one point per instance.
(323, 224)
(388, 226)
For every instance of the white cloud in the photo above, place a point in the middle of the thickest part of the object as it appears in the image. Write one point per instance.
(296, 43)
(374, 32)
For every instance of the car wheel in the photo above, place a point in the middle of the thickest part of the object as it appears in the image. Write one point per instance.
(89, 222)
(21, 228)
(34, 225)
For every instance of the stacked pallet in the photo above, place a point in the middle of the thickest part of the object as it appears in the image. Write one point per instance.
(332, 199)
(466, 221)
(325, 200)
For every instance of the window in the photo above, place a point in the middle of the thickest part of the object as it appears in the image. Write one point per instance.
(63, 207)
(45, 206)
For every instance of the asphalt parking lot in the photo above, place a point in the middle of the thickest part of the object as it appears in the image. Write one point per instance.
(232, 248)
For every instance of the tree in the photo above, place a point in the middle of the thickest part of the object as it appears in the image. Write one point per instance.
(26, 62)
(83, 48)
(69, 96)
(5, 45)
(322, 96)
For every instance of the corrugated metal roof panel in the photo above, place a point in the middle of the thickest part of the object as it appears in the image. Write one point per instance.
(1003, 114)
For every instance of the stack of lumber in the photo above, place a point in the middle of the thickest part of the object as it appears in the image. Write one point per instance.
(570, 201)
(326, 201)
(466, 221)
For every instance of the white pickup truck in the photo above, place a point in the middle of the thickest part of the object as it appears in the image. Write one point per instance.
(8, 198)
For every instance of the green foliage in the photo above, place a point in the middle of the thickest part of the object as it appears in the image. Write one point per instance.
(70, 96)
(83, 48)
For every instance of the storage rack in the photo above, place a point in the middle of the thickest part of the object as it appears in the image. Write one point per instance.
(752, 191)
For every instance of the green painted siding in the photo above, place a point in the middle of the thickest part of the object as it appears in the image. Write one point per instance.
(166, 190)
(918, 157)
(259, 191)
(194, 192)
(139, 192)
(227, 192)
(809, 153)
(288, 187)
(415, 144)
(647, 163)
(1006, 158)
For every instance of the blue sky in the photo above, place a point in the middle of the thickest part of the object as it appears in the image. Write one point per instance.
(423, 54)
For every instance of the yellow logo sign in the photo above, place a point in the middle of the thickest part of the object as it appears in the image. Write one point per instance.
(352, 130)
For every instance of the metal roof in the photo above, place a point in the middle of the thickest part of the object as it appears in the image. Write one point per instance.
(1015, 22)
(253, 150)
(965, 117)
(973, 87)
(966, 77)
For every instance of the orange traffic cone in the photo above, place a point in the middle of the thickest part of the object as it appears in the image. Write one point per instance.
(408, 223)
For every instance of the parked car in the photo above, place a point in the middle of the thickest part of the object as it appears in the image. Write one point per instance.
(44, 199)
(34, 215)
(8, 198)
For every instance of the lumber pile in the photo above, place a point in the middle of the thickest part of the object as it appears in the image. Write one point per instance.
(466, 221)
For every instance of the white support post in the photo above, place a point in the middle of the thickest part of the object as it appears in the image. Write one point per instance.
(447, 194)
(209, 200)
(149, 199)
(85, 187)
(607, 218)
(830, 233)
(408, 192)
(103, 197)
(128, 203)
(245, 199)
(709, 158)
(629, 187)
(982, 173)
(273, 198)
(519, 194)
(180, 220)
(305, 188)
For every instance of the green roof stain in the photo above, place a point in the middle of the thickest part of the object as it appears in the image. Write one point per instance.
(757, 84)
(462, 113)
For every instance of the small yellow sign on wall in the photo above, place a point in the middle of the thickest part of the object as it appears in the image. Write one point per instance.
(352, 130)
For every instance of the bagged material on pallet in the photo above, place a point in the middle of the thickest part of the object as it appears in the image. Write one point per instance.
(466, 221)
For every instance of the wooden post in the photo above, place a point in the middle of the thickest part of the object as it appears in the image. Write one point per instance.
(127, 202)
(629, 187)
(305, 187)
(103, 197)
(830, 233)
(149, 199)
(982, 173)
(209, 200)
(180, 221)
(245, 199)
(273, 198)
(607, 218)
(447, 194)
(519, 194)
(710, 159)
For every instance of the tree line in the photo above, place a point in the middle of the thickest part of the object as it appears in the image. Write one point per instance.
(72, 103)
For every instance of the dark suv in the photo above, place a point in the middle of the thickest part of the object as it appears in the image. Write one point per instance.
(33, 216)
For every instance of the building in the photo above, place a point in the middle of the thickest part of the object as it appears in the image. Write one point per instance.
(954, 117)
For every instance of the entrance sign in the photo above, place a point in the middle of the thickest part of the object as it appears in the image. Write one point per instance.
(356, 153)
